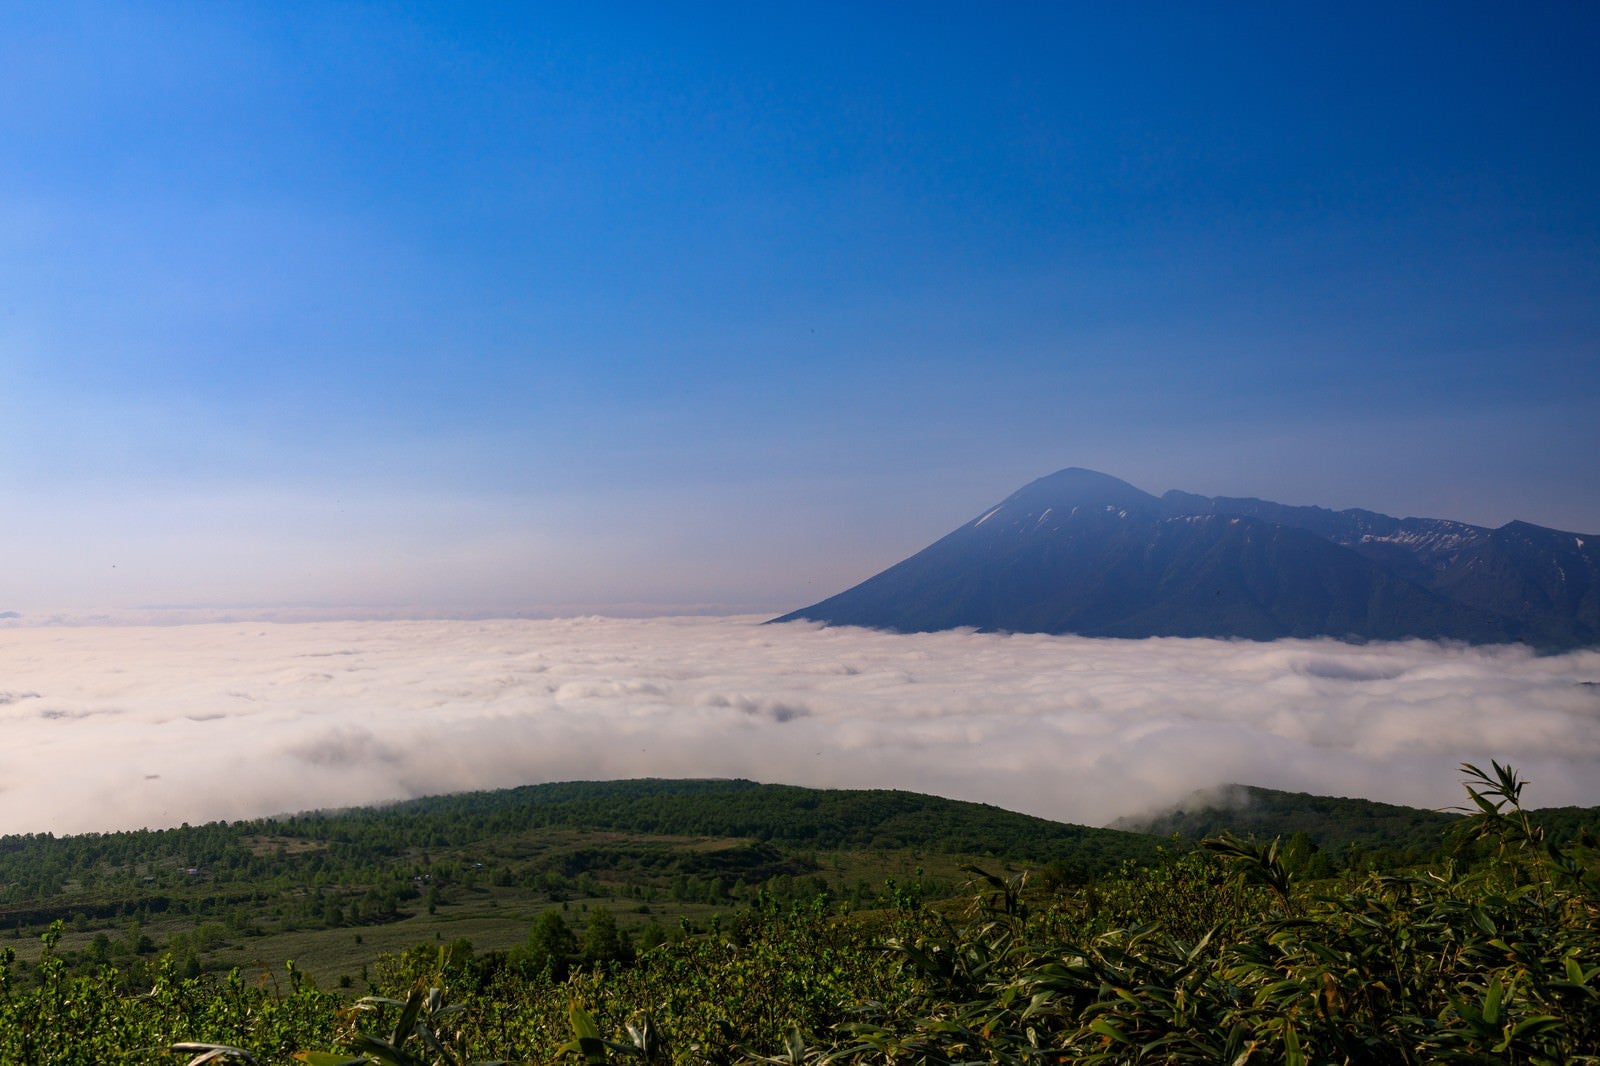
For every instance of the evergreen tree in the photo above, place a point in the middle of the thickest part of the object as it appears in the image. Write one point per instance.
(550, 947)
(603, 942)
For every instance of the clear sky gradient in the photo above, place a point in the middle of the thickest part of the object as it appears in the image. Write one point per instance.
(670, 307)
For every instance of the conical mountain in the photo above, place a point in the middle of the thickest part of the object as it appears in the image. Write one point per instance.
(1082, 552)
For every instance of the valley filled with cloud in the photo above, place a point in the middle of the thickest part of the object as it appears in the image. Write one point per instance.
(116, 727)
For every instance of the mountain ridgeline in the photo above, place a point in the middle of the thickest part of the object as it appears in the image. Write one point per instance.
(1085, 553)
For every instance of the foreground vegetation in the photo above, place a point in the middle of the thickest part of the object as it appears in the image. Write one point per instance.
(1213, 955)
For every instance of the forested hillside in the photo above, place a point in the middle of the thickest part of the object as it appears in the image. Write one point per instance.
(326, 887)
(781, 814)
(1348, 831)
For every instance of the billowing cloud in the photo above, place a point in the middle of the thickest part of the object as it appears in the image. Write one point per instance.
(124, 726)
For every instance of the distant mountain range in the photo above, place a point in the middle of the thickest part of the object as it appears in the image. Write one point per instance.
(1082, 552)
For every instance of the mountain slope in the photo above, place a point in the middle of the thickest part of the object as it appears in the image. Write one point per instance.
(1546, 579)
(1082, 552)
(1335, 824)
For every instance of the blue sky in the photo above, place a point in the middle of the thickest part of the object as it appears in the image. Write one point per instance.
(671, 307)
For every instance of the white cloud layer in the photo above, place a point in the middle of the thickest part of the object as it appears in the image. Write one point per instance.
(118, 727)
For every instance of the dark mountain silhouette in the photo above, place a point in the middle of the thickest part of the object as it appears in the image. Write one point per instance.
(1082, 552)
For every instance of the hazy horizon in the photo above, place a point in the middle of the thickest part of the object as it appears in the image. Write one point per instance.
(442, 606)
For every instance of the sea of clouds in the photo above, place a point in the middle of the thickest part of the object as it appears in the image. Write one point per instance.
(114, 727)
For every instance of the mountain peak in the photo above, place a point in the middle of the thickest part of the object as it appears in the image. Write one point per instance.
(1078, 487)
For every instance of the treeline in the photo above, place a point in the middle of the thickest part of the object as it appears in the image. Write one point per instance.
(39, 864)
(339, 844)
(794, 817)
(367, 865)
